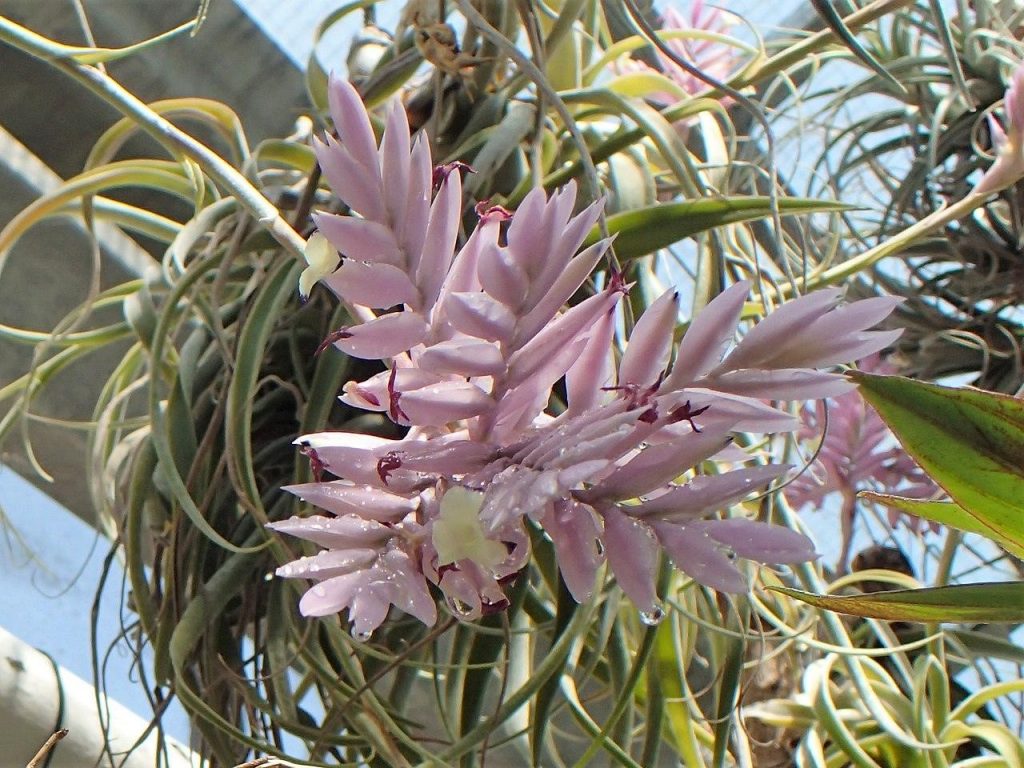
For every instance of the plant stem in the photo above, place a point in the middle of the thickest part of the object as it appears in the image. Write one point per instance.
(176, 141)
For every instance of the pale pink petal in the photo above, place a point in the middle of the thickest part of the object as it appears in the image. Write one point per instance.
(330, 596)
(783, 384)
(764, 340)
(412, 595)
(531, 387)
(573, 325)
(458, 457)
(412, 230)
(522, 229)
(708, 493)
(395, 164)
(462, 278)
(762, 542)
(553, 298)
(650, 343)
(632, 553)
(857, 345)
(344, 498)
(360, 239)
(328, 564)
(343, 532)
(440, 404)
(464, 357)
(372, 285)
(384, 336)
(574, 531)
(567, 240)
(501, 276)
(594, 369)
(375, 393)
(439, 242)
(349, 180)
(658, 464)
(477, 314)
(744, 413)
(694, 552)
(352, 123)
(705, 340)
(824, 342)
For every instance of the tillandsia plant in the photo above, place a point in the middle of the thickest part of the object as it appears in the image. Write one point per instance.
(541, 519)
(854, 451)
(476, 344)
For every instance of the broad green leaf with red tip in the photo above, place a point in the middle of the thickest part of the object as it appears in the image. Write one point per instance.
(969, 441)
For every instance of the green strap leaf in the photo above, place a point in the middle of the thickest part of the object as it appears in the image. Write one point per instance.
(970, 442)
(965, 603)
(946, 513)
(646, 230)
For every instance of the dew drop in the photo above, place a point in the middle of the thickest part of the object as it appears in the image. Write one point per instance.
(362, 637)
(460, 609)
(653, 617)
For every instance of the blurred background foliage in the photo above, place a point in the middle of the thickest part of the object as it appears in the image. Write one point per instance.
(864, 123)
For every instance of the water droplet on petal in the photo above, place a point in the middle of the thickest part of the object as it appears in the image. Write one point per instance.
(460, 609)
(362, 637)
(653, 617)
